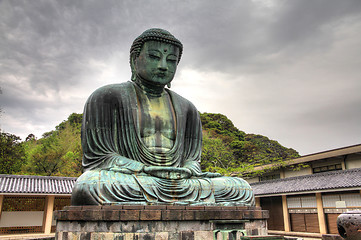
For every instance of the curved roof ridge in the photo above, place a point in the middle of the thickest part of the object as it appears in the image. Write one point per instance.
(35, 176)
(36, 184)
(336, 172)
(341, 179)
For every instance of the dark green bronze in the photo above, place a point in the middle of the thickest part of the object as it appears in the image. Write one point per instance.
(142, 142)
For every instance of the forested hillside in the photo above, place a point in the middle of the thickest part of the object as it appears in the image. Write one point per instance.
(226, 149)
(230, 151)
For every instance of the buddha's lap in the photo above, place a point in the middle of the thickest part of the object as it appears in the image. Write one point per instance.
(103, 186)
(108, 177)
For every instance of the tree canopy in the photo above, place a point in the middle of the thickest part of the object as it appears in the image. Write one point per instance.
(58, 152)
(230, 151)
(12, 154)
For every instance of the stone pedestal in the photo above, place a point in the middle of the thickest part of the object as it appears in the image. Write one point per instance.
(166, 222)
(331, 237)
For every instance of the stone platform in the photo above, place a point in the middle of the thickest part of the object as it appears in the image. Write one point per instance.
(164, 222)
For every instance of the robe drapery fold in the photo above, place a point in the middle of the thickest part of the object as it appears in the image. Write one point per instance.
(114, 155)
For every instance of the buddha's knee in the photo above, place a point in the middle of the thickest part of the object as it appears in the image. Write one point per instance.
(224, 182)
(83, 190)
(81, 195)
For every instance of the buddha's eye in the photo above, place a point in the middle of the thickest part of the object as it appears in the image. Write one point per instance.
(172, 59)
(154, 56)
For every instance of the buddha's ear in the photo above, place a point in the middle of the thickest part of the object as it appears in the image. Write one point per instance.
(132, 66)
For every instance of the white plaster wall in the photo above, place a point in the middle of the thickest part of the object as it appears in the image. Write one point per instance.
(21, 218)
(301, 172)
(353, 161)
(350, 199)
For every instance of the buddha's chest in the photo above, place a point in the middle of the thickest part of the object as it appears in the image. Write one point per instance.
(157, 122)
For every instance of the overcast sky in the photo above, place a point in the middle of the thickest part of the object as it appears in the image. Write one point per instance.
(289, 70)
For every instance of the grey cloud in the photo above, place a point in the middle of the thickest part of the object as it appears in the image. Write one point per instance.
(235, 40)
(48, 47)
(304, 19)
(50, 42)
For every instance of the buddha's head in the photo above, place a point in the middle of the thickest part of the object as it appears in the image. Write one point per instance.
(154, 57)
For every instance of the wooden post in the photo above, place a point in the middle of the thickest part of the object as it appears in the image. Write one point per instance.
(258, 201)
(343, 165)
(321, 214)
(282, 173)
(1, 204)
(48, 214)
(286, 216)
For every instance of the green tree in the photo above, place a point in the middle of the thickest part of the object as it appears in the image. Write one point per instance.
(11, 153)
(220, 126)
(58, 152)
(216, 156)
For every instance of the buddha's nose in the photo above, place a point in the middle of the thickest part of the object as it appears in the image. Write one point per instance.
(163, 65)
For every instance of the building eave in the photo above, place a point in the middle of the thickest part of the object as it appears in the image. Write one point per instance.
(316, 156)
(309, 192)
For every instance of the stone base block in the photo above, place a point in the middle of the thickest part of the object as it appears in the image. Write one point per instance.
(331, 237)
(160, 222)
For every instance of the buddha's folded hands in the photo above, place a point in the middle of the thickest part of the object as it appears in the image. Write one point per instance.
(168, 172)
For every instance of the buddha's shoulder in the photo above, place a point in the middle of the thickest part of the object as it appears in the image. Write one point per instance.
(117, 89)
(114, 87)
(181, 100)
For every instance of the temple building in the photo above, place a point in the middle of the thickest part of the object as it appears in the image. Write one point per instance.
(309, 200)
(27, 202)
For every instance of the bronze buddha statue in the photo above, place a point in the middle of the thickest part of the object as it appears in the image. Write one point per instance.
(142, 142)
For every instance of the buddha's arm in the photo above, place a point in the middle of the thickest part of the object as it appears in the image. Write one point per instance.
(197, 172)
(122, 164)
(107, 135)
(110, 160)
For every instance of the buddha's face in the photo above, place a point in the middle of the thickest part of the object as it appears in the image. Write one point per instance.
(157, 62)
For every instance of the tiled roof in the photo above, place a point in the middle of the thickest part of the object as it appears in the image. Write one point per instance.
(342, 179)
(36, 184)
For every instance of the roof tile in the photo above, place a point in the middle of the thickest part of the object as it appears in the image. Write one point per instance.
(341, 179)
(36, 184)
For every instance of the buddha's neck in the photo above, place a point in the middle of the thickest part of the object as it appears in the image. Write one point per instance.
(150, 89)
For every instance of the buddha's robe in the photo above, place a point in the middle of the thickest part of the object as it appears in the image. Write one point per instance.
(114, 156)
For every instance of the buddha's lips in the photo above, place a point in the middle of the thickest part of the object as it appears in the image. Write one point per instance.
(160, 74)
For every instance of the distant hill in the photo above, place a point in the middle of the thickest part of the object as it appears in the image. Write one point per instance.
(226, 149)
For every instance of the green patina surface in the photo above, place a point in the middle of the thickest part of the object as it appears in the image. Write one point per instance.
(142, 142)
